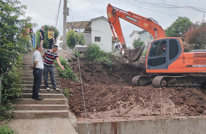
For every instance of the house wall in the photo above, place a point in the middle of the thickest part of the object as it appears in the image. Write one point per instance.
(145, 36)
(100, 28)
(133, 37)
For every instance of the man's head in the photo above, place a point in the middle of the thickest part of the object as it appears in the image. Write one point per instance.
(164, 48)
(42, 27)
(54, 48)
(39, 48)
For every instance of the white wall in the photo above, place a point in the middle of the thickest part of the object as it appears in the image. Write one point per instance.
(146, 37)
(101, 28)
(134, 36)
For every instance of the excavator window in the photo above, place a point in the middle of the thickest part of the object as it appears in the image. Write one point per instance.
(158, 48)
(173, 49)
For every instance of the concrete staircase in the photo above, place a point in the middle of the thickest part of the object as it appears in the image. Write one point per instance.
(53, 105)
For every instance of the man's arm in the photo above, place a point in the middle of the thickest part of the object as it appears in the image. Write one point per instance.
(43, 56)
(34, 65)
(59, 63)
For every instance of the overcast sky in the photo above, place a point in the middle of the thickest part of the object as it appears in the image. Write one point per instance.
(43, 12)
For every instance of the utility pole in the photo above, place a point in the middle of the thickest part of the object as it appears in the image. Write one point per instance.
(65, 13)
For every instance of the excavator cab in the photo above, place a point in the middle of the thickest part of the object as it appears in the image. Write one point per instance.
(162, 53)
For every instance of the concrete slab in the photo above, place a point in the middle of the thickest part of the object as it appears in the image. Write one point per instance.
(184, 125)
(42, 126)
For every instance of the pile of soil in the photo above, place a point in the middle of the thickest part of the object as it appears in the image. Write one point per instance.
(109, 94)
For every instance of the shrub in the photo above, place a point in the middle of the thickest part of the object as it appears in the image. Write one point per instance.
(6, 130)
(137, 42)
(94, 53)
(68, 72)
(11, 82)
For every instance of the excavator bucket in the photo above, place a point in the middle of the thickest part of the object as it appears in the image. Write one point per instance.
(135, 54)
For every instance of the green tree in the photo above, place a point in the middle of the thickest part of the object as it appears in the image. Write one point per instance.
(46, 40)
(14, 41)
(13, 37)
(137, 42)
(179, 27)
(73, 36)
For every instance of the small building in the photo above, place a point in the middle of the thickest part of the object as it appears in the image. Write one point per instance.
(96, 31)
(144, 36)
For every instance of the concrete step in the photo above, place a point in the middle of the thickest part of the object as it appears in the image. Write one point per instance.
(31, 74)
(44, 101)
(57, 79)
(38, 114)
(31, 71)
(29, 90)
(42, 86)
(39, 107)
(31, 82)
(43, 95)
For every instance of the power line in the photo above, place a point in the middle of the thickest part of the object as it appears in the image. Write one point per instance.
(95, 6)
(133, 4)
(57, 14)
(164, 5)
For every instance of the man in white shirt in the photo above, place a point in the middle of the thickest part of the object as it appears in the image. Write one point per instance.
(37, 66)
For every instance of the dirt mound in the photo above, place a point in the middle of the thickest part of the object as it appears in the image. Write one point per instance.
(101, 73)
(109, 94)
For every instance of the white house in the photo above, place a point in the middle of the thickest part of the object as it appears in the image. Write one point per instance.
(144, 36)
(96, 31)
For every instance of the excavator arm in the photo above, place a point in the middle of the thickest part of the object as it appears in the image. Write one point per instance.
(147, 24)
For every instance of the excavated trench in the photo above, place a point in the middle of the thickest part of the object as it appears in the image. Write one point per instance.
(110, 95)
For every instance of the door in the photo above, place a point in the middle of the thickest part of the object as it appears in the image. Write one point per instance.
(157, 57)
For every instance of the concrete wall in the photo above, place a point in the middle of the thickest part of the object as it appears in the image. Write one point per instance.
(88, 38)
(101, 28)
(161, 126)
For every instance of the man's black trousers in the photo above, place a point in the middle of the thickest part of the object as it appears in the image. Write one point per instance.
(37, 73)
(50, 43)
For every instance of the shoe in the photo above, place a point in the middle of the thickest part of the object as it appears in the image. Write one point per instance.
(57, 89)
(47, 88)
(38, 98)
(34, 98)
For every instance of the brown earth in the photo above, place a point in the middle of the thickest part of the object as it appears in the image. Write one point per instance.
(109, 94)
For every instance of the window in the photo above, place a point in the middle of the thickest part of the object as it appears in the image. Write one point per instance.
(97, 39)
(157, 61)
(158, 48)
(173, 49)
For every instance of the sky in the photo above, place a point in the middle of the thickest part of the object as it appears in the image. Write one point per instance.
(44, 12)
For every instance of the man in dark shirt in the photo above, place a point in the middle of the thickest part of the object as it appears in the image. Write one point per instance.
(41, 35)
(49, 57)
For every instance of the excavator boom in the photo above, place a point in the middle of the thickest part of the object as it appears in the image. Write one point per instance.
(147, 24)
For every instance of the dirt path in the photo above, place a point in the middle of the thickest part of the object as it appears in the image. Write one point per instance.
(109, 94)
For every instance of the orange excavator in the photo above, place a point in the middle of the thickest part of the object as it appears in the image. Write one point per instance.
(166, 63)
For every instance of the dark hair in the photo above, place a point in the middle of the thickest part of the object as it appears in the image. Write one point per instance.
(54, 46)
(37, 46)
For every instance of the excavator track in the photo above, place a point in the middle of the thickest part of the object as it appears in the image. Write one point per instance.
(170, 81)
(178, 81)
